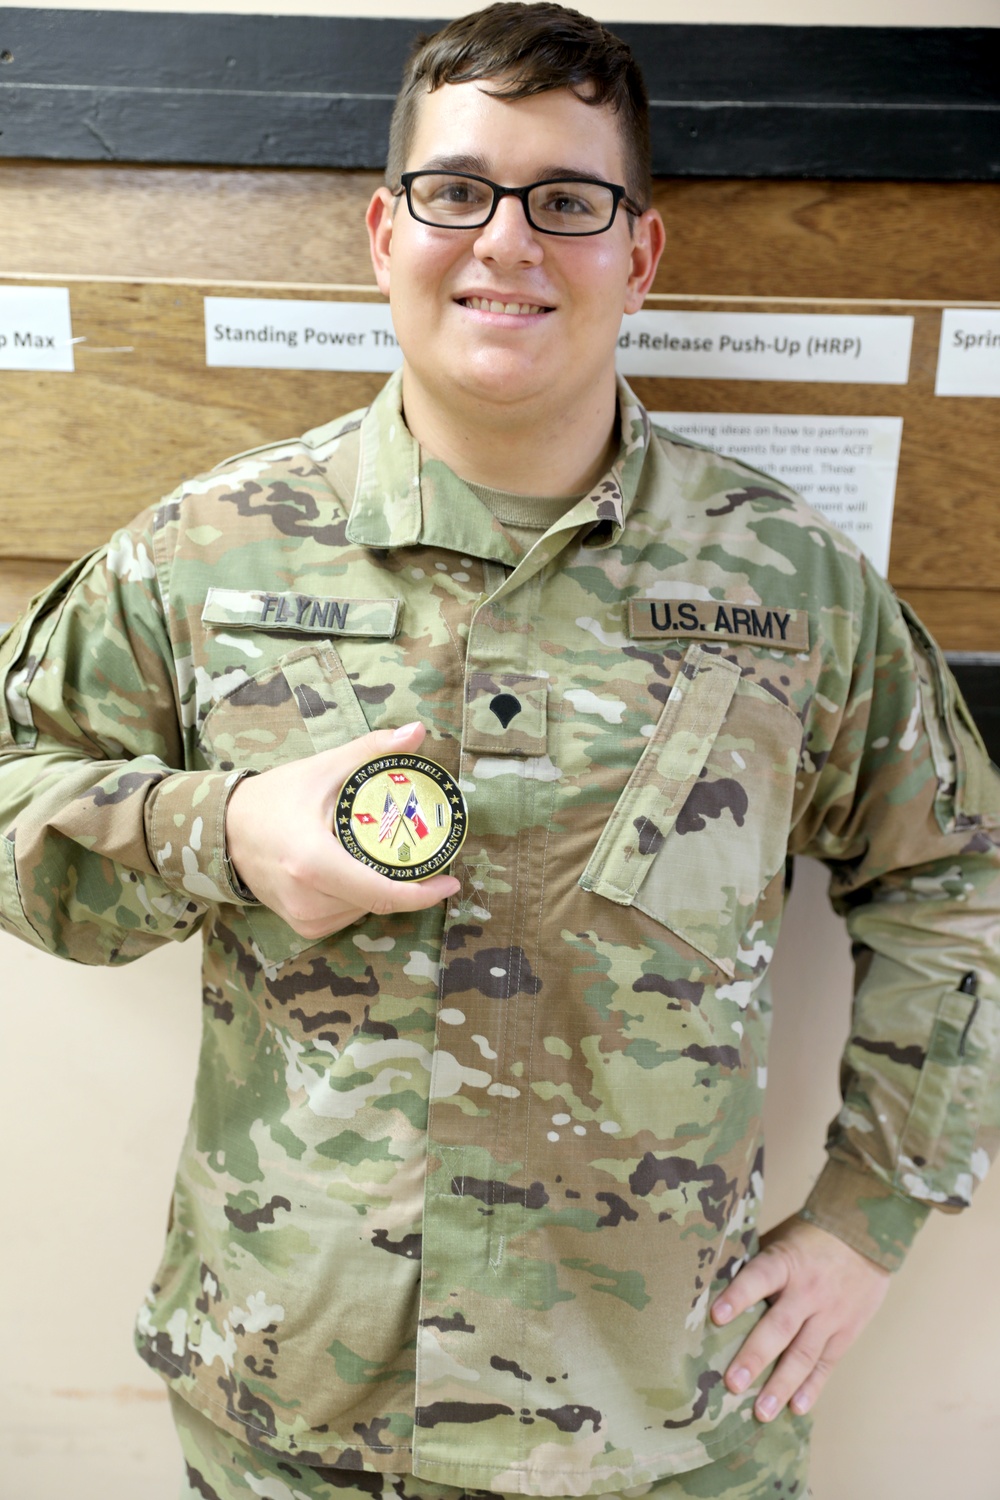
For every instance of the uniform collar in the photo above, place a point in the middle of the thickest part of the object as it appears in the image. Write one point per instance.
(400, 503)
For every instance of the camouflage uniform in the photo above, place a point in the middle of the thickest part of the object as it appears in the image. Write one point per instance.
(771, 1465)
(459, 1185)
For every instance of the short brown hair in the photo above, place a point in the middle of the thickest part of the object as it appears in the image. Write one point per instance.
(535, 48)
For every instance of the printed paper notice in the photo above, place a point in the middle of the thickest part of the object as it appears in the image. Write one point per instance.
(268, 333)
(844, 466)
(35, 328)
(969, 352)
(844, 348)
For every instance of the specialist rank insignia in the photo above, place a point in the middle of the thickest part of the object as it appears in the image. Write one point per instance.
(402, 815)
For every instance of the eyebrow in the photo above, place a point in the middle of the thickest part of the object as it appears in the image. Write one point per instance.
(480, 167)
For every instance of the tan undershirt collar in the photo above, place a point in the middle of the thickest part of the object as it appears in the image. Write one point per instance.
(524, 517)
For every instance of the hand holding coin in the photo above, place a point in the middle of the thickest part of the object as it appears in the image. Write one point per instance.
(280, 838)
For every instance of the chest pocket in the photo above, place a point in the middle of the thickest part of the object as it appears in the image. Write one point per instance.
(702, 825)
(297, 706)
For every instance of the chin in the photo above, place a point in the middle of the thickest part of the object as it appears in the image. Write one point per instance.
(496, 378)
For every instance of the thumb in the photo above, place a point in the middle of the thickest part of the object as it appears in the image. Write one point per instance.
(407, 737)
(376, 742)
(331, 768)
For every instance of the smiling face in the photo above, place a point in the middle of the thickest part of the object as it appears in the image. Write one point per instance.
(505, 319)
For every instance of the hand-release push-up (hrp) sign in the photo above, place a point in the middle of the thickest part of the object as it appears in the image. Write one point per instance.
(845, 348)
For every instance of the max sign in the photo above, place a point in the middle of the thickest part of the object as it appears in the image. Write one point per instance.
(35, 328)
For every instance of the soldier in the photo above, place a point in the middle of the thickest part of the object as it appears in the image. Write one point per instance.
(468, 1198)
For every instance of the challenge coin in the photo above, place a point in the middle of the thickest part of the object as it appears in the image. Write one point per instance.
(403, 815)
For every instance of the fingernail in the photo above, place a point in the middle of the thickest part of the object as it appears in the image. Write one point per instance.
(767, 1406)
(739, 1379)
(722, 1312)
(800, 1403)
(401, 733)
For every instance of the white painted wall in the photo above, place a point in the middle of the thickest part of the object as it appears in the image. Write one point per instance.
(96, 1071)
(745, 12)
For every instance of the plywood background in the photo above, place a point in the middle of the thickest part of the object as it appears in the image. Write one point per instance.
(140, 248)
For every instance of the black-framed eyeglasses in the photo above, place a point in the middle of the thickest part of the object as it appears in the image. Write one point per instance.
(558, 205)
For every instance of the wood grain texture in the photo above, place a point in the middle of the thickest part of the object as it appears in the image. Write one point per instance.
(20, 580)
(724, 237)
(830, 239)
(959, 619)
(233, 225)
(143, 412)
(85, 452)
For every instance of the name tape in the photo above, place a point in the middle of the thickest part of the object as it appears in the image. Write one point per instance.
(256, 609)
(707, 619)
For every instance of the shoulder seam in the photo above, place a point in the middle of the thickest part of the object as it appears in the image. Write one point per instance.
(313, 438)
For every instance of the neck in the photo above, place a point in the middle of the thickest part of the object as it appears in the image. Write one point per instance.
(518, 447)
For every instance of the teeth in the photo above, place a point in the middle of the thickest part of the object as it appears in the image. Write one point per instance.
(484, 304)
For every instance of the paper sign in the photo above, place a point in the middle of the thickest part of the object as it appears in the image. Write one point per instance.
(844, 348)
(268, 333)
(844, 466)
(35, 328)
(969, 352)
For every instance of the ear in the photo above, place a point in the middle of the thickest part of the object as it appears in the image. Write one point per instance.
(648, 239)
(379, 222)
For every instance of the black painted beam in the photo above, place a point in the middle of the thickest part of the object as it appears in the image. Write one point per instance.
(978, 676)
(744, 101)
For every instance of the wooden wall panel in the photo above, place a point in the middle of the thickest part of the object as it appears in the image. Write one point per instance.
(20, 580)
(139, 247)
(143, 411)
(205, 223)
(726, 237)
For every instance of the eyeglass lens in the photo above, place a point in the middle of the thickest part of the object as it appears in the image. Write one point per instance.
(447, 199)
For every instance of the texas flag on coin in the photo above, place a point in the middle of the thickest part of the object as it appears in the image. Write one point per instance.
(414, 816)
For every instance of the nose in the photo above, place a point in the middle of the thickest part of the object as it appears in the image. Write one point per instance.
(508, 238)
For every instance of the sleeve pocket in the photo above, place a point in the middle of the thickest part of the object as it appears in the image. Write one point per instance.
(968, 783)
(12, 917)
(18, 665)
(937, 1148)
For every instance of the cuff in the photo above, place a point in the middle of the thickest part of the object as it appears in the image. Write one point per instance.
(186, 835)
(865, 1213)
